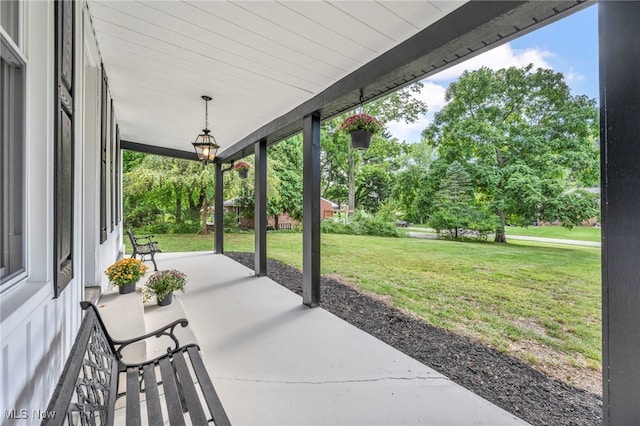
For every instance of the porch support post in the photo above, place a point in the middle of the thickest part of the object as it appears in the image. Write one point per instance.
(311, 210)
(260, 212)
(218, 218)
(620, 186)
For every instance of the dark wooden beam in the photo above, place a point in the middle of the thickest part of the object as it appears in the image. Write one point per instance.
(260, 208)
(620, 186)
(311, 211)
(218, 219)
(471, 29)
(158, 150)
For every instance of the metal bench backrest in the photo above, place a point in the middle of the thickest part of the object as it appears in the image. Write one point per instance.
(87, 390)
(131, 237)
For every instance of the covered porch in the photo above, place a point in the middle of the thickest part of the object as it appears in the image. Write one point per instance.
(89, 78)
(275, 361)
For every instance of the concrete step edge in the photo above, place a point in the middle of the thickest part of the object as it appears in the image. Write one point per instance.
(123, 316)
(158, 316)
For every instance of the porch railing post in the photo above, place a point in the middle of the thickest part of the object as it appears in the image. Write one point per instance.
(218, 218)
(620, 204)
(260, 212)
(311, 211)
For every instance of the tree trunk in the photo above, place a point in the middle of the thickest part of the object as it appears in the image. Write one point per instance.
(501, 237)
(203, 217)
(179, 208)
(352, 180)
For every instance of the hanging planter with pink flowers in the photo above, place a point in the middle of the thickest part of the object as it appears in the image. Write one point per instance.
(361, 127)
(243, 169)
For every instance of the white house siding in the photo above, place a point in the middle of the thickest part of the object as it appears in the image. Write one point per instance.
(36, 330)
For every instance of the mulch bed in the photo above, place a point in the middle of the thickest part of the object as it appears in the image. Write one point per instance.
(497, 377)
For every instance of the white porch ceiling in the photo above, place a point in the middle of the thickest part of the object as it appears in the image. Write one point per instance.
(257, 59)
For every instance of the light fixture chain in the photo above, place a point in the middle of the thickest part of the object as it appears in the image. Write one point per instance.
(206, 114)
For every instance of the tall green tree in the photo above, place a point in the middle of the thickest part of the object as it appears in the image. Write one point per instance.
(413, 190)
(376, 176)
(528, 144)
(286, 162)
(455, 208)
(340, 163)
(169, 186)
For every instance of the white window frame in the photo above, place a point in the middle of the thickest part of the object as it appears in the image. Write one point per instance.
(13, 124)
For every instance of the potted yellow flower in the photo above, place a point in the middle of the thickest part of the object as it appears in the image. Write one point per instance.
(125, 273)
(162, 284)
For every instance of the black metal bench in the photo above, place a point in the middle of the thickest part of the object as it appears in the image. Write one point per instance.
(144, 246)
(88, 388)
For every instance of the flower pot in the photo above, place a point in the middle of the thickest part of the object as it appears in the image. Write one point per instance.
(166, 300)
(243, 173)
(360, 139)
(127, 288)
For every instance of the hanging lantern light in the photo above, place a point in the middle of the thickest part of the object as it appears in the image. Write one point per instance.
(205, 144)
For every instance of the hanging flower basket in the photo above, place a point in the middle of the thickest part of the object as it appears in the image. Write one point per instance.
(361, 127)
(361, 139)
(243, 169)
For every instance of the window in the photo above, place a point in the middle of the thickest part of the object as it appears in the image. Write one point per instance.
(12, 162)
(9, 16)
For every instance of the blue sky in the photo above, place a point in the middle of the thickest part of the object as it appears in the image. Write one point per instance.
(569, 46)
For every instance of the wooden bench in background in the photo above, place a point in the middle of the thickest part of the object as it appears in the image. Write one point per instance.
(88, 387)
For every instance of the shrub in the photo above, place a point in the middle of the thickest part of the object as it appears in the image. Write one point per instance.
(330, 226)
(464, 223)
(363, 224)
(231, 224)
(187, 227)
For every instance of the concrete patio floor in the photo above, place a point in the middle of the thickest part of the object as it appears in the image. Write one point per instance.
(274, 361)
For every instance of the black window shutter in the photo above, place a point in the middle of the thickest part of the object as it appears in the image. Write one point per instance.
(118, 175)
(112, 165)
(63, 145)
(103, 158)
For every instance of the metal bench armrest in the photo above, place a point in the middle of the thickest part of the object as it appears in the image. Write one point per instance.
(168, 330)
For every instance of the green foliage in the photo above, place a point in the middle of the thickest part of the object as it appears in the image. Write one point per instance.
(455, 210)
(163, 194)
(526, 142)
(362, 223)
(231, 224)
(373, 186)
(131, 160)
(413, 189)
(243, 190)
(286, 161)
(342, 166)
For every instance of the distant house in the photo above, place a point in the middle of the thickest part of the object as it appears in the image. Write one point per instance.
(282, 221)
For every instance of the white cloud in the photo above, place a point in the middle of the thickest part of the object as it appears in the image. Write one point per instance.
(503, 56)
(432, 94)
(573, 76)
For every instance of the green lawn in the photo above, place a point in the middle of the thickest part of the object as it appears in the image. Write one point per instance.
(539, 302)
(580, 233)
